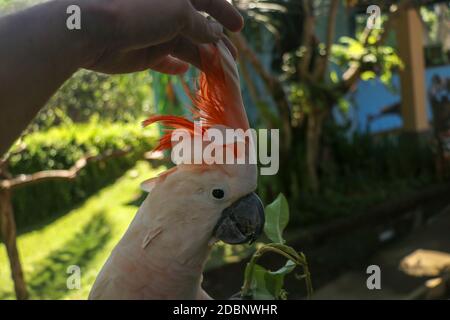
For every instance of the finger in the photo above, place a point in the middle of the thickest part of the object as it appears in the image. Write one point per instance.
(201, 30)
(143, 59)
(170, 65)
(181, 48)
(186, 50)
(230, 46)
(222, 11)
(159, 58)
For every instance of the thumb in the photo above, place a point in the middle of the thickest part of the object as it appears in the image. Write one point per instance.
(170, 65)
(199, 29)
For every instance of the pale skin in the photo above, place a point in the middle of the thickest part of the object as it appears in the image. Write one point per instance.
(38, 53)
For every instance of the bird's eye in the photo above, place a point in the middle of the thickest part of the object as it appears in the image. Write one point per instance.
(218, 193)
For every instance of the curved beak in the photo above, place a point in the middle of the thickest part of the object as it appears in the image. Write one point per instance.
(241, 222)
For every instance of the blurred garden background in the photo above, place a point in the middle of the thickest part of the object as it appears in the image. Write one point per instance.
(364, 119)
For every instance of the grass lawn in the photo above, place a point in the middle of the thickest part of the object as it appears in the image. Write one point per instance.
(85, 237)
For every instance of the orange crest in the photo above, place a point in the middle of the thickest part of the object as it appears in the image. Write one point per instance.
(218, 101)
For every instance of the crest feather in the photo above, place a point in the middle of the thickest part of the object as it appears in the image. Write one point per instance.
(217, 102)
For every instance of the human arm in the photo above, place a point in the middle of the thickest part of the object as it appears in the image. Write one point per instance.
(38, 52)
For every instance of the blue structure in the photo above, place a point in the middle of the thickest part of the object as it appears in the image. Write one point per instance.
(372, 96)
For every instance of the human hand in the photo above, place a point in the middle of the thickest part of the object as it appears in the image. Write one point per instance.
(163, 35)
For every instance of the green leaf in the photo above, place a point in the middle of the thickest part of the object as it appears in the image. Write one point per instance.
(344, 105)
(262, 289)
(368, 75)
(268, 285)
(286, 269)
(334, 77)
(277, 218)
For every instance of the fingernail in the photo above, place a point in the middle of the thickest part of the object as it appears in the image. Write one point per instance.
(217, 29)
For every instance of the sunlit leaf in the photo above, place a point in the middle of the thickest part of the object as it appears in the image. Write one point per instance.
(368, 75)
(268, 285)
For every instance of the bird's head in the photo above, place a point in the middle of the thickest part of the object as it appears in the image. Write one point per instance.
(218, 197)
(211, 200)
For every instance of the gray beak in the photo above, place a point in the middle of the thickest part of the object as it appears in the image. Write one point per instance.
(241, 222)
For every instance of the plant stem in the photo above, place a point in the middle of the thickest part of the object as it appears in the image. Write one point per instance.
(299, 260)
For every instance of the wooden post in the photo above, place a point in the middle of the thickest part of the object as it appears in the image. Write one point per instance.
(8, 233)
(410, 45)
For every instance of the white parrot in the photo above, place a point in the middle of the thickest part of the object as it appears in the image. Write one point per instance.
(190, 206)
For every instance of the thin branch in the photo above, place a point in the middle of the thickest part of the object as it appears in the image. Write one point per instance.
(308, 29)
(331, 31)
(70, 174)
(8, 234)
(351, 75)
(272, 84)
(331, 27)
(247, 51)
(254, 93)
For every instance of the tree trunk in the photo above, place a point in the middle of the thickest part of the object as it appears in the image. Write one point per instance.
(8, 233)
(313, 135)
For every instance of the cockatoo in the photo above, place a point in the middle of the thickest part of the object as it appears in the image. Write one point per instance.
(190, 206)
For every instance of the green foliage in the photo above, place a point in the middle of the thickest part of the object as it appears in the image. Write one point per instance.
(431, 22)
(361, 171)
(268, 285)
(87, 94)
(374, 60)
(357, 171)
(261, 283)
(59, 148)
(380, 158)
(277, 218)
(10, 4)
(84, 236)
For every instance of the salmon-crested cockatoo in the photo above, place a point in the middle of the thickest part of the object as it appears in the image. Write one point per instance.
(190, 206)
